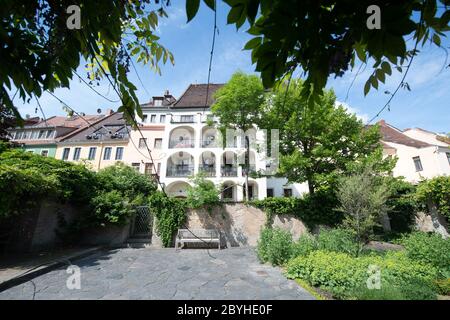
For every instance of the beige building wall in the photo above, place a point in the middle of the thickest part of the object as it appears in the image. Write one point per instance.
(434, 162)
(136, 154)
(99, 162)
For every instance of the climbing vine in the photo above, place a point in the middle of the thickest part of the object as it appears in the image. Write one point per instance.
(170, 214)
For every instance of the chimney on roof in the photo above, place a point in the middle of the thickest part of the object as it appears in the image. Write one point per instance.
(166, 92)
(382, 122)
(109, 112)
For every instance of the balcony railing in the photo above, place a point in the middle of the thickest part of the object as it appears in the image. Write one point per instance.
(187, 143)
(228, 171)
(182, 119)
(209, 144)
(251, 168)
(180, 170)
(208, 170)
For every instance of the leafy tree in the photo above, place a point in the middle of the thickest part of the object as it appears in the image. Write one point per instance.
(203, 194)
(318, 143)
(325, 38)
(362, 198)
(238, 105)
(39, 51)
(435, 193)
(7, 120)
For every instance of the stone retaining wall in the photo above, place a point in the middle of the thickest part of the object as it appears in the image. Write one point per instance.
(239, 224)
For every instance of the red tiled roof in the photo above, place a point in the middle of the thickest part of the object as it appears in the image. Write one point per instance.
(391, 134)
(195, 96)
(69, 122)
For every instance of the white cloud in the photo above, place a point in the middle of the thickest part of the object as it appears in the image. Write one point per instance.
(351, 110)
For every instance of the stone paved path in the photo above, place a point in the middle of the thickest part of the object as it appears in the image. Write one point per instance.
(165, 274)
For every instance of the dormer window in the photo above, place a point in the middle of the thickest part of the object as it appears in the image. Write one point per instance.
(157, 102)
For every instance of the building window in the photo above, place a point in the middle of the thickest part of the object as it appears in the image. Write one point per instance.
(158, 171)
(186, 119)
(144, 118)
(76, 154)
(44, 153)
(92, 152)
(65, 155)
(158, 143)
(34, 134)
(148, 168)
(269, 192)
(287, 192)
(49, 134)
(41, 134)
(26, 135)
(153, 118)
(162, 118)
(157, 102)
(136, 166)
(418, 163)
(107, 154)
(448, 157)
(119, 153)
(142, 143)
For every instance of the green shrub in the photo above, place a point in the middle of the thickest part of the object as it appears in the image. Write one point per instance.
(26, 178)
(313, 210)
(111, 207)
(203, 194)
(443, 286)
(126, 180)
(274, 246)
(413, 289)
(342, 274)
(304, 245)
(170, 215)
(428, 248)
(402, 205)
(435, 191)
(338, 240)
(386, 292)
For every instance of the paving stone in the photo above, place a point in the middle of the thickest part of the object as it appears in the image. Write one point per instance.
(166, 274)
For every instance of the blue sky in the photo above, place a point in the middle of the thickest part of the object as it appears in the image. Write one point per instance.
(426, 106)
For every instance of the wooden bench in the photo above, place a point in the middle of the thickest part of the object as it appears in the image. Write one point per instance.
(197, 236)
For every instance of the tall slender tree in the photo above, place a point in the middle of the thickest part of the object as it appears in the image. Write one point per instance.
(238, 104)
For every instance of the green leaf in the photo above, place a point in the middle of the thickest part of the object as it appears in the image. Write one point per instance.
(437, 40)
(211, 4)
(366, 87)
(235, 14)
(374, 82)
(192, 8)
(386, 67)
(253, 43)
(380, 75)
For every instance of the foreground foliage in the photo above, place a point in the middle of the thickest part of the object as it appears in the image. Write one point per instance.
(344, 275)
(435, 192)
(108, 196)
(313, 210)
(170, 215)
(44, 53)
(26, 179)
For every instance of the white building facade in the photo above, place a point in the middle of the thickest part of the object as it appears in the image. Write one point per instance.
(420, 154)
(191, 144)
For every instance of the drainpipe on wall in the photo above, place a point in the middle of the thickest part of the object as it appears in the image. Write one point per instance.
(101, 155)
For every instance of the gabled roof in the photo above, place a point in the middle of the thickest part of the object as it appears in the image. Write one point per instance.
(68, 122)
(195, 96)
(105, 128)
(392, 134)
